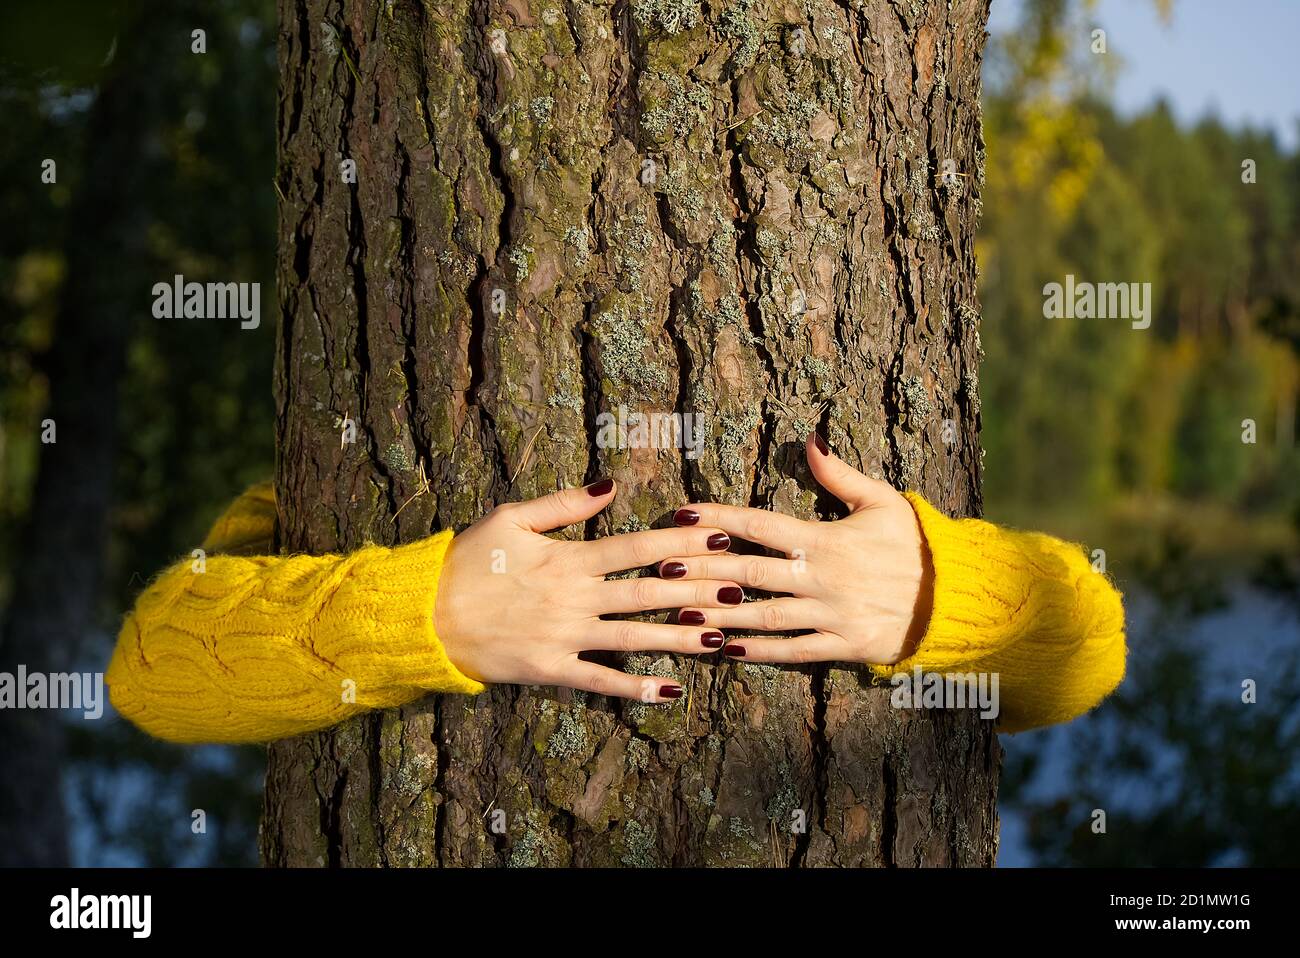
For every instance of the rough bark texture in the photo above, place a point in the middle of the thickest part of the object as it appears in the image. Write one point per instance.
(733, 210)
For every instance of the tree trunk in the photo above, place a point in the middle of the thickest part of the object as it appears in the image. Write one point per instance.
(560, 209)
(57, 591)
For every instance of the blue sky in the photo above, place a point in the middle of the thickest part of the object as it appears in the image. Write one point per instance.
(1236, 58)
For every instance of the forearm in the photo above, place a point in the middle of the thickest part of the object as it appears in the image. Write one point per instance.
(1025, 606)
(254, 649)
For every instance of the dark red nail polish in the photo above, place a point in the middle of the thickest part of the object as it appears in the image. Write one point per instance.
(737, 651)
(601, 487)
(670, 691)
(712, 640)
(672, 570)
(690, 617)
(719, 541)
(686, 517)
(731, 595)
(820, 443)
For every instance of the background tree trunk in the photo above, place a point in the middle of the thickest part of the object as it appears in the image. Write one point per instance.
(730, 210)
(57, 586)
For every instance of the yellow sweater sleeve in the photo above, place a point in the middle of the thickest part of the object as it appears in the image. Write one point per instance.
(1025, 606)
(247, 527)
(254, 648)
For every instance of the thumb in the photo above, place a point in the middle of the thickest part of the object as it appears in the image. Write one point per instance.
(841, 480)
(565, 507)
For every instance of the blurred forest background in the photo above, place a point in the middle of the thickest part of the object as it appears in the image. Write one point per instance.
(1129, 440)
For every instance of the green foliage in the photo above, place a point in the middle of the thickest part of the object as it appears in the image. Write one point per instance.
(1132, 439)
(195, 413)
(1080, 413)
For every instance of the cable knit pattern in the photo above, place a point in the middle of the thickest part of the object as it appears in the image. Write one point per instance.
(259, 648)
(247, 527)
(1023, 605)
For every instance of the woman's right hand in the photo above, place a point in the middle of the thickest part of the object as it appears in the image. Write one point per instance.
(516, 606)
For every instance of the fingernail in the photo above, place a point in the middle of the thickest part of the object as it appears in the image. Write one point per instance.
(734, 650)
(820, 443)
(686, 517)
(672, 570)
(731, 595)
(719, 541)
(690, 618)
(712, 640)
(601, 487)
(670, 691)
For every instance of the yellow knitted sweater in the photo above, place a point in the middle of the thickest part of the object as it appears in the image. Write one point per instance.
(248, 647)
(1025, 606)
(235, 645)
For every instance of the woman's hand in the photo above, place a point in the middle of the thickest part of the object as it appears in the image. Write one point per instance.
(516, 606)
(864, 584)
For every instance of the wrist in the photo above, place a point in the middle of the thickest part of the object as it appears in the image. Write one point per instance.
(923, 604)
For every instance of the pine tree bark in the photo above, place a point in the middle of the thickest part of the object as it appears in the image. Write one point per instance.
(734, 210)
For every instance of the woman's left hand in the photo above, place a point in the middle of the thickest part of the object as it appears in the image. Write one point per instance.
(864, 584)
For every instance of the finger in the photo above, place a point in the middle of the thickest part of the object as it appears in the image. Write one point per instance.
(851, 487)
(756, 572)
(651, 637)
(633, 549)
(773, 529)
(770, 615)
(647, 593)
(600, 680)
(562, 508)
(798, 650)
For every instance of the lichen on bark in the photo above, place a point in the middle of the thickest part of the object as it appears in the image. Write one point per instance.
(563, 207)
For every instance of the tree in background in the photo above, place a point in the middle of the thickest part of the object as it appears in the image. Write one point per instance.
(1074, 423)
(1132, 440)
(63, 546)
(157, 423)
